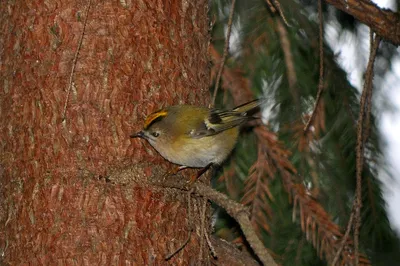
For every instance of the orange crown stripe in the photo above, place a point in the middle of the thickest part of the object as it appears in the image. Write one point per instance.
(149, 120)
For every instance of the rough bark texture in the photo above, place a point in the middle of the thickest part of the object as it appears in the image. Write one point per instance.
(135, 57)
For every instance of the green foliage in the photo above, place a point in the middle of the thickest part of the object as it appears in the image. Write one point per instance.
(327, 165)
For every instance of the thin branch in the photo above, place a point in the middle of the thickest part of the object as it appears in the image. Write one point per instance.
(240, 214)
(271, 6)
(289, 62)
(168, 257)
(383, 22)
(190, 225)
(71, 77)
(202, 231)
(321, 68)
(234, 209)
(226, 49)
(369, 99)
(238, 86)
(345, 237)
(364, 106)
(211, 247)
(278, 7)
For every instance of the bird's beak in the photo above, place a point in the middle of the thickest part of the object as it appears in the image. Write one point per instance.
(139, 134)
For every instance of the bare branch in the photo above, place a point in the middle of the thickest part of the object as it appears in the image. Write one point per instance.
(361, 131)
(345, 237)
(321, 68)
(273, 6)
(190, 225)
(289, 62)
(383, 22)
(234, 209)
(226, 49)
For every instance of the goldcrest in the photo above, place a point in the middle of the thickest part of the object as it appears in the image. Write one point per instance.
(196, 137)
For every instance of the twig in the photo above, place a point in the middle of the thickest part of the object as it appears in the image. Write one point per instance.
(321, 68)
(226, 48)
(271, 6)
(344, 239)
(364, 106)
(71, 77)
(369, 99)
(168, 257)
(290, 69)
(240, 214)
(202, 231)
(212, 249)
(278, 7)
(234, 209)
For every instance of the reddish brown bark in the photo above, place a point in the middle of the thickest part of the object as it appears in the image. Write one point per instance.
(135, 57)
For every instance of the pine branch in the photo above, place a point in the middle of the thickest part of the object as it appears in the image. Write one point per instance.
(256, 191)
(315, 222)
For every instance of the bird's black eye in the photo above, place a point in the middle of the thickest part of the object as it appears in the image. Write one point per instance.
(155, 134)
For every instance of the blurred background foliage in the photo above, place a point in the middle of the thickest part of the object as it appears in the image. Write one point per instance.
(270, 169)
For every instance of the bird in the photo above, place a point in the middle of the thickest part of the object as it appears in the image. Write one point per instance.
(195, 136)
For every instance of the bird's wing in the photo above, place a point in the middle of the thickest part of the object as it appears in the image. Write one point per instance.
(216, 122)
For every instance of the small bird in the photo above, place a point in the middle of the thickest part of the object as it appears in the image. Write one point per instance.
(196, 137)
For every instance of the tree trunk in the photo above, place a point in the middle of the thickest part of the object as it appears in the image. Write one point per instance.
(56, 204)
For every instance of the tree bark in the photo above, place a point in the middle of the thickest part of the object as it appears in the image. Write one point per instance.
(56, 204)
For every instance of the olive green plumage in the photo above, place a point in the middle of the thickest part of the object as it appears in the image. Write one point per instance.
(193, 136)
